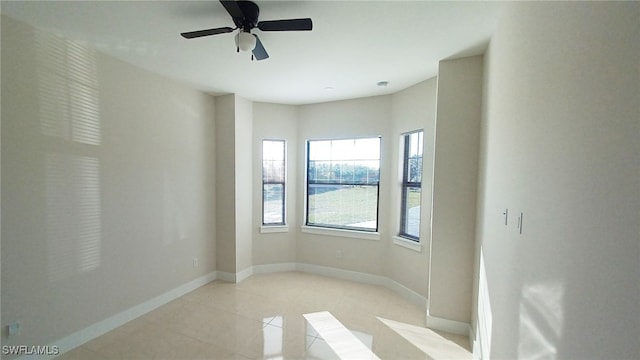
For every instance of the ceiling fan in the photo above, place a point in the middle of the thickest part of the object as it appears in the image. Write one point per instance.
(245, 17)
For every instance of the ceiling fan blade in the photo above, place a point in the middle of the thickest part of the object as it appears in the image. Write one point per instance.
(207, 32)
(259, 52)
(286, 25)
(233, 8)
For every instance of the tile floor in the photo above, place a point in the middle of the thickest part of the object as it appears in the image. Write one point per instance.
(262, 318)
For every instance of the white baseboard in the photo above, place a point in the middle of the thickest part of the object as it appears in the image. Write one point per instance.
(226, 276)
(243, 274)
(451, 326)
(406, 293)
(360, 277)
(274, 268)
(341, 274)
(101, 327)
(383, 281)
(91, 332)
(356, 276)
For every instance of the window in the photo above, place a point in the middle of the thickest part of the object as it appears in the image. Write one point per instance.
(411, 186)
(342, 183)
(273, 182)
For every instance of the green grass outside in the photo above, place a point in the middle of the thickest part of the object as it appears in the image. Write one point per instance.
(349, 206)
(346, 206)
(413, 199)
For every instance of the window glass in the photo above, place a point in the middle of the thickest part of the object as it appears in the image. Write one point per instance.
(273, 182)
(342, 183)
(411, 185)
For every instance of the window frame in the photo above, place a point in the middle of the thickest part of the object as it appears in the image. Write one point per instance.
(406, 185)
(344, 229)
(283, 183)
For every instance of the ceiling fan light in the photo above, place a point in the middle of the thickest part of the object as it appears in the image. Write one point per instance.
(245, 41)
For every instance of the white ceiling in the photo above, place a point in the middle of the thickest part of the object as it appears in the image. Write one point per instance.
(353, 45)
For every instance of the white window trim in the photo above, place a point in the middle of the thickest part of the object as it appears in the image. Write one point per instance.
(365, 235)
(406, 243)
(267, 229)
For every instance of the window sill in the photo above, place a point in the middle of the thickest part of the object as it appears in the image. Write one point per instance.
(406, 243)
(267, 229)
(341, 232)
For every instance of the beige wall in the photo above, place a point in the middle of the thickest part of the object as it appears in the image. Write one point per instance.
(343, 119)
(107, 192)
(560, 143)
(412, 109)
(225, 183)
(454, 188)
(234, 118)
(275, 122)
(243, 183)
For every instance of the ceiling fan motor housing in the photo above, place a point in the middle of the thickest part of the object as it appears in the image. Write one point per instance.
(245, 16)
(250, 19)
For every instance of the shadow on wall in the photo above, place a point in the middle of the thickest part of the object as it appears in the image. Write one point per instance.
(69, 121)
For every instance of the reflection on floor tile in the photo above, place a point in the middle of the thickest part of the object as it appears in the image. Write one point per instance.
(427, 340)
(342, 341)
(262, 318)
